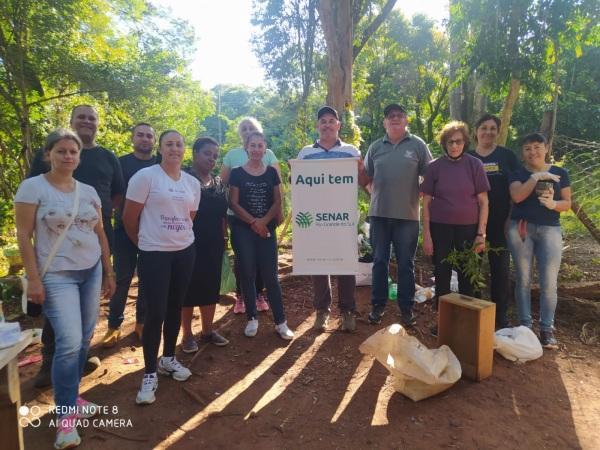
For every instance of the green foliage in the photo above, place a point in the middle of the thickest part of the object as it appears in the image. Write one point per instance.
(350, 132)
(570, 273)
(289, 44)
(469, 263)
(129, 59)
(406, 63)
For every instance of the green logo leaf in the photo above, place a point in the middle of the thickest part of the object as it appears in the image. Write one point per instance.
(304, 219)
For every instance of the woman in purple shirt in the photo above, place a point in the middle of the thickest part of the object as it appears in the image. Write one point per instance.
(455, 206)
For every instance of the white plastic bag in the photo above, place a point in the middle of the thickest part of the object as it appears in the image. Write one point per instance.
(418, 372)
(364, 276)
(518, 344)
(454, 281)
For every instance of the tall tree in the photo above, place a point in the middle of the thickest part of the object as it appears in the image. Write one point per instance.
(507, 44)
(347, 26)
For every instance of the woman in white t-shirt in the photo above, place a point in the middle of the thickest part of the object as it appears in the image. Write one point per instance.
(67, 271)
(160, 206)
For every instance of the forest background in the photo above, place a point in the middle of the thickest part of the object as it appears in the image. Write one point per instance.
(536, 63)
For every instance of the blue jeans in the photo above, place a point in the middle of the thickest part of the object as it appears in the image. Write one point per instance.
(254, 252)
(545, 243)
(125, 261)
(403, 235)
(71, 305)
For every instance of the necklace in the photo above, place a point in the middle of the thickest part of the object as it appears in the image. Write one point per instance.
(203, 183)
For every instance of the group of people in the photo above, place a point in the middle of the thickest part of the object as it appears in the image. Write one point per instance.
(171, 225)
(473, 200)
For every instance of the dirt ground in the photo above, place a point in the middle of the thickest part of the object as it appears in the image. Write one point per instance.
(319, 392)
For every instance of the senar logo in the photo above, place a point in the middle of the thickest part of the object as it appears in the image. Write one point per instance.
(304, 219)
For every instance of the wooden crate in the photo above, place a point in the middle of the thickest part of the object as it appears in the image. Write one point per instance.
(466, 325)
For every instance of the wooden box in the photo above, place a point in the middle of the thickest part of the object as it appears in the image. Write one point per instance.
(466, 325)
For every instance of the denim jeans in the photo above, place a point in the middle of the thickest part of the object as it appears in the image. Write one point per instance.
(125, 261)
(255, 252)
(71, 307)
(403, 235)
(545, 243)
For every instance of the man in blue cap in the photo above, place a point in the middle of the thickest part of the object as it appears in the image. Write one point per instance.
(328, 146)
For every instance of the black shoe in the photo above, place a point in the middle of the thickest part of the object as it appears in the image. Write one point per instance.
(91, 365)
(376, 315)
(408, 318)
(434, 331)
(548, 340)
(44, 377)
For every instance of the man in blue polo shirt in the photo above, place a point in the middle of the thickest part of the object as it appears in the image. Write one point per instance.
(328, 146)
(394, 164)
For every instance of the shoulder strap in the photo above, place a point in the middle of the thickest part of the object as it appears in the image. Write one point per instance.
(62, 236)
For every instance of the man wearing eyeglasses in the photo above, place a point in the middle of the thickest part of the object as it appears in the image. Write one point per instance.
(394, 164)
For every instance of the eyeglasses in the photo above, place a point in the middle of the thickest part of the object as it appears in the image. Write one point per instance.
(457, 142)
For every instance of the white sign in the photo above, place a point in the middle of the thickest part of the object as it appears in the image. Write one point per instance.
(324, 216)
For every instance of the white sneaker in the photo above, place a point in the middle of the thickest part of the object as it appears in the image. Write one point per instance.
(283, 331)
(169, 366)
(251, 328)
(145, 395)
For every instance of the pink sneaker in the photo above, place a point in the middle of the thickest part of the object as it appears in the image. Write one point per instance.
(261, 303)
(239, 307)
(86, 409)
(66, 434)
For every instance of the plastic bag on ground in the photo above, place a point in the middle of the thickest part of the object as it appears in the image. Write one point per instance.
(518, 344)
(364, 274)
(418, 372)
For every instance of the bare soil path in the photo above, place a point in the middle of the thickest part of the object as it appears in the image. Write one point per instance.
(319, 392)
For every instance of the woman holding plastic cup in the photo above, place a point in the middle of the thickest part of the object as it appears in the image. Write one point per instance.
(540, 192)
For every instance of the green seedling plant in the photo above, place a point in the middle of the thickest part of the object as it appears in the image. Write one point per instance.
(469, 262)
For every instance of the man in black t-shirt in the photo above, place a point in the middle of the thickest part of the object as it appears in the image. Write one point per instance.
(125, 252)
(99, 168)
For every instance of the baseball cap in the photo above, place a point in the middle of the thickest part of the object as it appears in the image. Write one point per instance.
(394, 107)
(327, 110)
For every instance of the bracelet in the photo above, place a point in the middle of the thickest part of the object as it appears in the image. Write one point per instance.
(110, 274)
(481, 235)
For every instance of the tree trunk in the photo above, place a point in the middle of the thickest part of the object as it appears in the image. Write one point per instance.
(585, 220)
(550, 136)
(455, 100)
(336, 20)
(479, 99)
(546, 127)
(507, 110)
